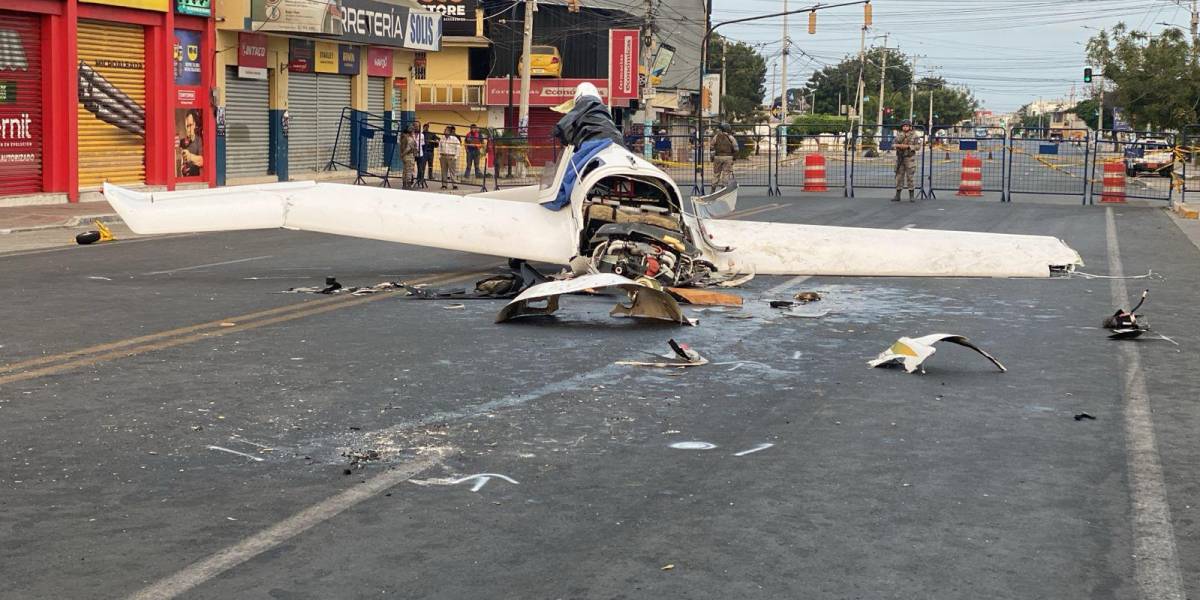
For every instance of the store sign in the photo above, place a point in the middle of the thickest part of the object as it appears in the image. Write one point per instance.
(348, 59)
(199, 8)
(8, 92)
(159, 5)
(379, 62)
(301, 56)
(327, 57)
(252, 55)
(710, 95)
(623, 63)
(187, 57)
(458, 16)
(358, 21)
(542, 92)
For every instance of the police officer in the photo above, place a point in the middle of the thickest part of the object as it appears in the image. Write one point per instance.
(906, 145)
(724, 148)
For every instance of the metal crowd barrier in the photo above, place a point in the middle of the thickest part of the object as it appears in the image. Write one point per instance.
(951, 146)
(1048, 162)
(1129, 150)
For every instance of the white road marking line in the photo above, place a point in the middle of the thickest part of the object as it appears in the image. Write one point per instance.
(754, 449)
(205, 569)
(787, 284)
(1156, 561)
(249, 456)
(217, 264)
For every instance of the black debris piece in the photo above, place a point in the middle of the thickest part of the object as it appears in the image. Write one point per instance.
(1082, 416)
(782, 303)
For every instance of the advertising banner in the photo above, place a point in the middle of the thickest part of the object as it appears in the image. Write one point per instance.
(348, 59)
(252, 55)
(327, 57)
(379, 62)
(710, 96)
(189, 92)
(458, 16)
(187, 57)
(198, 8)
(542, 92)
(301, 56)
(622, 63)
(357, 21)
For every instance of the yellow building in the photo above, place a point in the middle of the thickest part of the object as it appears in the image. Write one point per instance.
(444, 93)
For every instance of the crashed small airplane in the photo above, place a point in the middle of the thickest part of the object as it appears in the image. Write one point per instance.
(601, 209)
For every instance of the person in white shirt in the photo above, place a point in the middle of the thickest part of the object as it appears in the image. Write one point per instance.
(448, 149)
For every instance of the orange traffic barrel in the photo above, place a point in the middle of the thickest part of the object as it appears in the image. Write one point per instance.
(814, 173)
(1114, 182)
(970, 183)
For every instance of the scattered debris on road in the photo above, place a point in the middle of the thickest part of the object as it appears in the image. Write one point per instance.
(683, 356)
(806, 297)
(359, 458)
(912, 352)
(1082, 416)
(101, 234)
(645, 301)
(702, 297)
(1126, 326)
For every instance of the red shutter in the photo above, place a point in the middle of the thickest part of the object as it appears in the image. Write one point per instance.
(541, 133)
(20, 103)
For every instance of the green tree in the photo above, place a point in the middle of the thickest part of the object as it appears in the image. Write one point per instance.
(839, 82)
(1157, 79)
(1086, 110)
(745, 79)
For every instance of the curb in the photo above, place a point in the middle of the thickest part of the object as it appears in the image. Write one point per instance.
(76, 221)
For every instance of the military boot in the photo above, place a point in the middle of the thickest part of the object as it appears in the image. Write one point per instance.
(911, 197)
(896, 198)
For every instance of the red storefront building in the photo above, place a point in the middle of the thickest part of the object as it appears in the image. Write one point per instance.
(105, 90)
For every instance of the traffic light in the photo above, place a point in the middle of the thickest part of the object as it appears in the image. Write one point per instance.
(812, 22)
(867, 15)
(1087, 74)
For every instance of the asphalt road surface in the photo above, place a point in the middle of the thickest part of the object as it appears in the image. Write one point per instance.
(171, 426)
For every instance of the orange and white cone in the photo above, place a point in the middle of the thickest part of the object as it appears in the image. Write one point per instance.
(814, 173)
(970, 182)
(1114, 182)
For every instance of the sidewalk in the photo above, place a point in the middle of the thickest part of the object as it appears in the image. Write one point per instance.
(48, 216)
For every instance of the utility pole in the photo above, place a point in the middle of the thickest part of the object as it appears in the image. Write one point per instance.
(912, 88)
(724, 48)
(862, 72)
(783, 82)
(929, 124)
(774, 81)
(647, 111)
(882, 80)
(526, 47)
(1195, 37)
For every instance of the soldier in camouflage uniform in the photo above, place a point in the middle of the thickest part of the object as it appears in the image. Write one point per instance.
(724, 148)
(906, 145)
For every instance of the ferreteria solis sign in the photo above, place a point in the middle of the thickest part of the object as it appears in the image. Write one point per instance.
(357, 21)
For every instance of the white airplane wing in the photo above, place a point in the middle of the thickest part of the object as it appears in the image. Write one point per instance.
(491, 226)
(794, 249)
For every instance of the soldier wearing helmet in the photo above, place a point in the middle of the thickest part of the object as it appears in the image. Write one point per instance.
(724, 147)
(906, 144)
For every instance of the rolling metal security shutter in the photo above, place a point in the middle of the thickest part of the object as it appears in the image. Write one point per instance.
(247, 125)
(20, 104)
(375, 95)
(302, 122)
(112, 103)
(333, 94)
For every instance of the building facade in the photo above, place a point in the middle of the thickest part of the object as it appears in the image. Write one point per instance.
(104, 90)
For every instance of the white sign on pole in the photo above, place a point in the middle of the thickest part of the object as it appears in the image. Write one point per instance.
(710, 96)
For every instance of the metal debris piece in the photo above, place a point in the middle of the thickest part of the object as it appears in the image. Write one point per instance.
(702, 297)
(681, 356)
(645, 302)
(912, 352)
(782, 303)
(806, 297)
(1082, 416)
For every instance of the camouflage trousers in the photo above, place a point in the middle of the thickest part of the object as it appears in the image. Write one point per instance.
(723, 165)
(906, 167)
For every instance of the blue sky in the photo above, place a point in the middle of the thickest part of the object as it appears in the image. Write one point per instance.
(1009, 52)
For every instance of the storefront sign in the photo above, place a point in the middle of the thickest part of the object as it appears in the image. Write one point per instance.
(542, 92)
(379, 62)
(623, 63)
(358, 21)
(252, 55)
(187, 57)
(710, 96)
(159, 5)
(458, 16)
(199, 8)
(327, 57)
(301, 57)
(348, 59)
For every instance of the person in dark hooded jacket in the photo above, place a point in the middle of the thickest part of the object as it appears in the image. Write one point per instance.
(589, 120)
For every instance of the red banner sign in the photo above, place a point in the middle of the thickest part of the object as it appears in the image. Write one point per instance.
(542, 92)
(252, 50)
(379, 62)
(623, 63)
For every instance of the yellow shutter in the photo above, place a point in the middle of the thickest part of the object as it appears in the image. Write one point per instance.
(112, 103)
